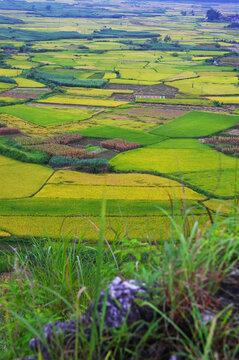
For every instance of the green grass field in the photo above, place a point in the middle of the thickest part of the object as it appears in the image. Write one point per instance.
(110, 132)
(193, 164)
(46, 116)
(197, 124)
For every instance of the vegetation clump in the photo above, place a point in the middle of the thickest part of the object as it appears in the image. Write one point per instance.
(94, 165)
(119, 145)
(188, 303)
(10, 148)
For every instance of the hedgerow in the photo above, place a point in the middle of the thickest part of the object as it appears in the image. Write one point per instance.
(8, 80)
(10, 148)
(63, 80)
(93, 165)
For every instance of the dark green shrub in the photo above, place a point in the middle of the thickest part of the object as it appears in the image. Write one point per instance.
(91, 165)
(10, 148)
(8, 80)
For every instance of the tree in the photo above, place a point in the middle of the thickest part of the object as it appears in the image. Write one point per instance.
(167, 38)
(183, 13)
(48, 7)
(213, 15)
(156, 39)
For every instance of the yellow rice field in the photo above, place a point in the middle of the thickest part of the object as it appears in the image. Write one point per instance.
(72, 185)
(19, 180)
(21, 82)
(82, 101)
(58, 227)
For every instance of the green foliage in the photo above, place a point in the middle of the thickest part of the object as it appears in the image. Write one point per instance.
(92, 165)
(30, 35)
(10, 148)
(8, 80)
(65, 80)
(59, 269)
(213, 15)
(113, 33)
(10, 20)
(233, 25)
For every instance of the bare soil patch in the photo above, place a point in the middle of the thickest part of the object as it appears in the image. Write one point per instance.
(147, 90)
(19, 93)
(156, 112)
(122, 97)
(230, 61)
(109, 154)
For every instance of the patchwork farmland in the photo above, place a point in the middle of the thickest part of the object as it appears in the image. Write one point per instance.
(119, 159)
(123, 115)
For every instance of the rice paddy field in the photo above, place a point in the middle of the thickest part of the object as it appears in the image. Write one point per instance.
(159, 84)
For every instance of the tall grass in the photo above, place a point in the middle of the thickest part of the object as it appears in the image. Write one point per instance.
(184, 275)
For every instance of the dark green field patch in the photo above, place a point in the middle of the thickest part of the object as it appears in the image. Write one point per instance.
(110, 132)
(196, 124)
(46, 116)
(66, 207)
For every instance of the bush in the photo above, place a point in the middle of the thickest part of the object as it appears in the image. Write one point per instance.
(217, 103)
(8, 80)
(91, 165)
